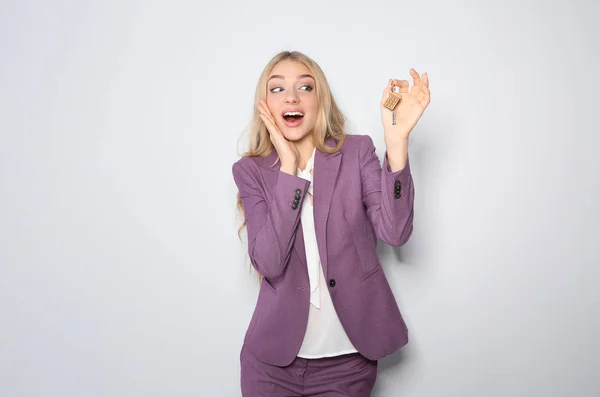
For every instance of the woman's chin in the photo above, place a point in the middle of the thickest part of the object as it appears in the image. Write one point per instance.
(294, 134)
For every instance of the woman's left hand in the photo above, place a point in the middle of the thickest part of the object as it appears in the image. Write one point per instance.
(409, 109)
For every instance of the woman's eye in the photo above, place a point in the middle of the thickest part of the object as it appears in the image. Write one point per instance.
(304, 87)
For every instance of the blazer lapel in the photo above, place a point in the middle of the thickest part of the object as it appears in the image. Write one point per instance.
(326, 171)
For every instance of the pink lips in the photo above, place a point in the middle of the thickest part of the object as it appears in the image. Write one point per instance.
(292, 124)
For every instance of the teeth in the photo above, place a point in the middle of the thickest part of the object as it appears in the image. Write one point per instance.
(293, 114)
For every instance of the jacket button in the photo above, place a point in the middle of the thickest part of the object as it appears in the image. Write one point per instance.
(298, 191)
(332, 283)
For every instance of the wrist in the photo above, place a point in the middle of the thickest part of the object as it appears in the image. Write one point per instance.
(289, 168)
(395, 141)
(397, 154)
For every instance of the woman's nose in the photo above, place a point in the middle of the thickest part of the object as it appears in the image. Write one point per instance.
(292, 98)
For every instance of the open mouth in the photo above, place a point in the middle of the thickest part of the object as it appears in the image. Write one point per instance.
(293, 119)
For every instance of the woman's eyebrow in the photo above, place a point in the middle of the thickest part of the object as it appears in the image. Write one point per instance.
(278, 76)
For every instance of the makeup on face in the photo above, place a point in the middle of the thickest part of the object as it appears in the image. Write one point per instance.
(291, 97)
(292, 115)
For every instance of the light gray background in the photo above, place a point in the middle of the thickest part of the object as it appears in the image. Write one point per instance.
(121, 273)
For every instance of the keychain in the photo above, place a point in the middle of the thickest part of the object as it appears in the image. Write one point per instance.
(390, 103)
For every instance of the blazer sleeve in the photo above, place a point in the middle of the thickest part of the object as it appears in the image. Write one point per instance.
(388, 196)
(271, 224)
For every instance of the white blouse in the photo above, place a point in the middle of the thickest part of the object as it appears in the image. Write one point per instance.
(325, 336)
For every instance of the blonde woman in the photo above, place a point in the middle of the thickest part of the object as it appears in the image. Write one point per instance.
(315, 200)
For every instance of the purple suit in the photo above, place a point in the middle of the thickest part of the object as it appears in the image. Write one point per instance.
(356, 201)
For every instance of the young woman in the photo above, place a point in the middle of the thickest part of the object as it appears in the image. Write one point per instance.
(315, 200)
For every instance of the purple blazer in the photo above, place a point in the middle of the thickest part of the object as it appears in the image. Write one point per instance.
(356, 201)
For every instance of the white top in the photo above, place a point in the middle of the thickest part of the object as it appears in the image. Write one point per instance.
(325, 336)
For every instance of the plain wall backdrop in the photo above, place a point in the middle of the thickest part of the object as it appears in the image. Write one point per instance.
(121, 272)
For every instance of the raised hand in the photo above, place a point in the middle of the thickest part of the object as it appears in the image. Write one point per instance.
(287, 151)
(411, 106)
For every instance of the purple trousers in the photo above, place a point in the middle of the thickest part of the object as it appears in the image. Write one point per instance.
(345, 375)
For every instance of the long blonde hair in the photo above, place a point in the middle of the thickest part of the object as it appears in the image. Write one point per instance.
(330, 121)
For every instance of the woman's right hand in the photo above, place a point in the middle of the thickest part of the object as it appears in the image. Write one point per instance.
(287, 151)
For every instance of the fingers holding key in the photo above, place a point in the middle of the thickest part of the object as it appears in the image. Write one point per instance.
(402, 84)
